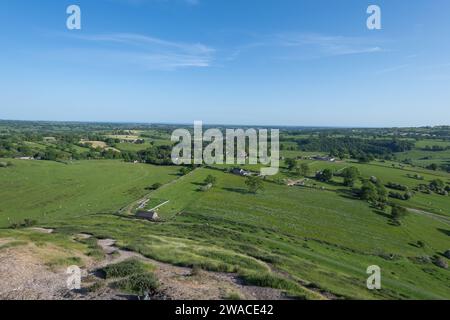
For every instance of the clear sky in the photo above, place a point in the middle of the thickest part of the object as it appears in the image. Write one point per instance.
(280, 62)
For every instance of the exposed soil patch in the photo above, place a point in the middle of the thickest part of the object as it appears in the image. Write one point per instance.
(42, 230)
(26, 275)
(180, 283)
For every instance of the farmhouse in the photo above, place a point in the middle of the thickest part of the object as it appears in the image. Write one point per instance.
(148, 215)
(321, 158)
(240, 172)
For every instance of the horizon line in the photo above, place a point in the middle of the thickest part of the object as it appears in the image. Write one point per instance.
(223, 124)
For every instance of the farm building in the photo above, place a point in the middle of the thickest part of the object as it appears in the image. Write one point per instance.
(148, 215)
(240, 172)
(321, 158)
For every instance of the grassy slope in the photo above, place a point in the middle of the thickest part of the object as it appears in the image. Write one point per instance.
(343, 236)
(313, 236)
(316, 236)
(43, 190)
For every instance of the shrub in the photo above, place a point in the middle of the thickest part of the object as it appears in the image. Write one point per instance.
(254, 184)
(196, 270)
(397, 195)
(210, 180)
(447, 254)
(139, 284)
(26, 223)
(124, 269)
(155, 186)
(325, 175)
(421, 244)
(350, 175)
(268, 280)
(232, 296)
(398, 213)
(396, 186)
(440, 262)
(422, 259)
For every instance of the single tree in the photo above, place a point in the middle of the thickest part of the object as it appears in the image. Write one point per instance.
(290, 163)
(325, 175)
(210, 179)
(350, 175)
(303, 169)
(184, 171)
(381, 192)
(398, 213)
(254, 184)
(156, 186)
(368, 191)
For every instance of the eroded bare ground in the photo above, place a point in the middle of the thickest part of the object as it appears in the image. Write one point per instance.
(24, 274)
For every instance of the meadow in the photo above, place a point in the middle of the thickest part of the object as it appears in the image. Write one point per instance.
(43, 190)
(314, 241)
(318, 240)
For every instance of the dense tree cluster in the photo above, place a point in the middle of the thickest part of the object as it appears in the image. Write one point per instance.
(354, 147)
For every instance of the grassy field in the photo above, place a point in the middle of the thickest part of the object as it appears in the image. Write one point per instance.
(44, 190)
(307, 241)
(317, 238)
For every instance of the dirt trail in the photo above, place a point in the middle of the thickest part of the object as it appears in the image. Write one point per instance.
(435, 216)
(25, 275)
(179, 283)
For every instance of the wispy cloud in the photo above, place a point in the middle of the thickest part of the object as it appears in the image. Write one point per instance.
(145, 51)
(328, 45)
(437, 69)
(312, 45)
(393, 69)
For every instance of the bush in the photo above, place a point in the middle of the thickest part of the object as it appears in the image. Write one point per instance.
(26, 223)
(397, 195)
(124, 269)
(350, 175)
(447, 254)
(232, 296)
(155, 186)
(210, 180)
(398, 213)
(268, 280)
(139, 284)
(254, 184)
(440, 262)
(421, 244)
(396, 186)
(325, 175)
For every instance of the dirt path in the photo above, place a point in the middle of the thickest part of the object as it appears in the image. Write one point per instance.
(26, 275)
(435, 216)
(179, 282)
(128, 209)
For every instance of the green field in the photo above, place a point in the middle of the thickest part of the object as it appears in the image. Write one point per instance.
(44, 190)
(319, 238)
(313, 241)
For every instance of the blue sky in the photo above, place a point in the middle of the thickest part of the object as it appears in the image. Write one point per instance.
(280, 62)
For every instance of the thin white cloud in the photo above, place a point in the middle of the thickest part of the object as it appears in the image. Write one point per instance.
(325, 45)
(311, 46)
(393, 69)
(145, 51)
